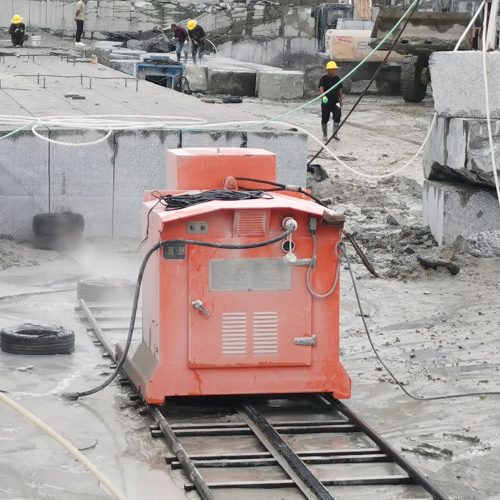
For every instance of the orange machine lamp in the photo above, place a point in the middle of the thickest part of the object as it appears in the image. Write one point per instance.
(228, 322)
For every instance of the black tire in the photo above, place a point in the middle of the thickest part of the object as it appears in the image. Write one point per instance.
(58, 224)
(105, 290)
(57, 243)
(37, 339)
(413, 88)
(231, 99)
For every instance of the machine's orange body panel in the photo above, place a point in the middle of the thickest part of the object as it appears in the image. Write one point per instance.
(257, 309)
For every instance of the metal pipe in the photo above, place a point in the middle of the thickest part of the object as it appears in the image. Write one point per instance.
(97, 330)
(180, 453)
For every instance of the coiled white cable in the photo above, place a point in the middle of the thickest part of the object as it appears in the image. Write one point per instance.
(112, 489)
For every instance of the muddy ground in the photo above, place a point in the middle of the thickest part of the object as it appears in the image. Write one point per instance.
(437, 331)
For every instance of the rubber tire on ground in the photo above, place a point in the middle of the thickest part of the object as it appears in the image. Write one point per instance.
(57, 224)
(105, 289)
(231, 99)
(412, 88)
(37, 339)
(58, 243)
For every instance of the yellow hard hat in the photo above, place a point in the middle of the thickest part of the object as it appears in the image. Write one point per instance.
(192, 24)
(17, 19)
(331, 65)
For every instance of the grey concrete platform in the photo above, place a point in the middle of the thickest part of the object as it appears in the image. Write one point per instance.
(458, 85)
(458, 149)
(105, 182)
(452, 210)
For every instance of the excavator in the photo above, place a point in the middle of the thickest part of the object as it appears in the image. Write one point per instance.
(347, 34)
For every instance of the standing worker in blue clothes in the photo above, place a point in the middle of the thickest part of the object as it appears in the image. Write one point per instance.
(331, 103)
(181, 35)
(197, 36)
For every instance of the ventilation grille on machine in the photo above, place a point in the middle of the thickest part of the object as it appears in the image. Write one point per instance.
(264, 330)
(234, 333)
(251, 222)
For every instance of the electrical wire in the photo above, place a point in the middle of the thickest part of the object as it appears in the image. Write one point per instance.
(149, 253)
(310, 268)
(487, 108)
(180, 201)
(280, 187)
(345, 257)
(112, 489)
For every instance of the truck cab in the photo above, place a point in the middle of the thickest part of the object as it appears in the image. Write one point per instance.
(326, 16)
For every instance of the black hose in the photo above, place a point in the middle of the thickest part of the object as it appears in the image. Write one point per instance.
(379, 68)
(149, 253)
(280, 187)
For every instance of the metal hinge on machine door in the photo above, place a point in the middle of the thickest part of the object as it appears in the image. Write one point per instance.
(308, 341)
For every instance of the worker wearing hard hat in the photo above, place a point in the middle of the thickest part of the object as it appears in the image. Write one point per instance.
(331, 103)
(17, 30)
(197, 36)
(79, 19)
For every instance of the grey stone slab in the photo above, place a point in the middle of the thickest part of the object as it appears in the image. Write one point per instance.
(233, 82)
(140, 164)
(458, 85)
(210, 139)
(24, 183)
(81, 179)
(291, 153)
(280, 84)
(197, 76)
(452, 210)
(459, 149)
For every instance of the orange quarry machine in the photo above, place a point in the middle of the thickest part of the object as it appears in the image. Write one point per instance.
(242, 296)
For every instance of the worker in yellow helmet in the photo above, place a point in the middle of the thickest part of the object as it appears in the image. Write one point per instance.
(331, 103)
(17, 30)
(197, 36)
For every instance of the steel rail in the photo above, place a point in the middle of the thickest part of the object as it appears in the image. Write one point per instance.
(409, 468)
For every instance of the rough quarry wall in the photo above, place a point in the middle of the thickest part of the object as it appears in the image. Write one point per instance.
(263, 31)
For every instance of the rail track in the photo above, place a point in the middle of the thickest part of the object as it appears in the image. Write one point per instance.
(291, 446)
